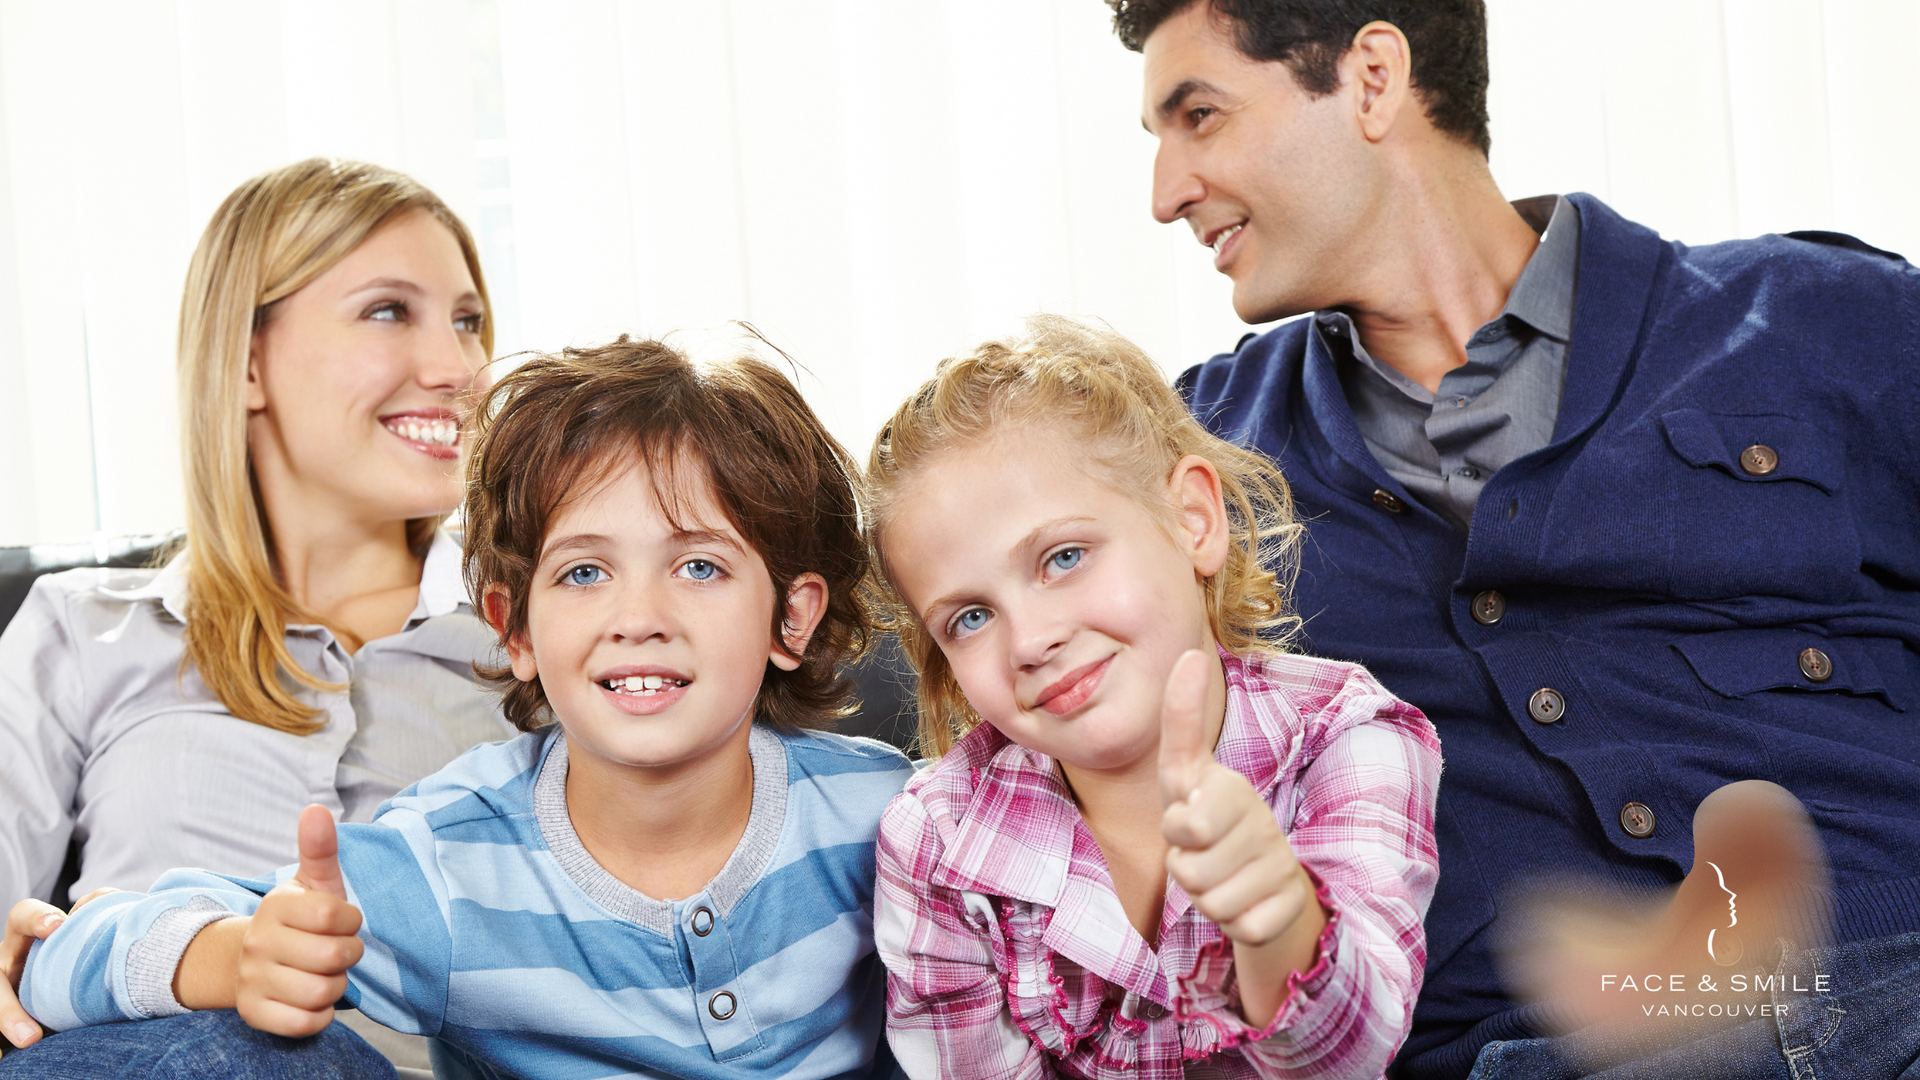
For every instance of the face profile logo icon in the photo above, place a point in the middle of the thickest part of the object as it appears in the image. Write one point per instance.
(1729, 950)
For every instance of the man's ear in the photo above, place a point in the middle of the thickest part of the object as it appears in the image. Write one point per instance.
(1203, 534)
(256, 389)
(1379, 69)
(806, 606)
(494, 604)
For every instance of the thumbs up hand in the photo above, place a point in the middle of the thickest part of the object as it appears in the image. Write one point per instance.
(1229, 854)
(294, 958)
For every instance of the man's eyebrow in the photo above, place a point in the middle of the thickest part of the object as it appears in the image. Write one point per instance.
(1178, 96)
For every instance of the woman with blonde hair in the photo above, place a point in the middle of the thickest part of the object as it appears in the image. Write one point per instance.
(311, 643)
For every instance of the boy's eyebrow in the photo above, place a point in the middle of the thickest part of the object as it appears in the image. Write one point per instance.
(573, 542)
(706, 536)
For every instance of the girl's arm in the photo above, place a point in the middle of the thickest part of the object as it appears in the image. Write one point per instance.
(1324, 949)
(946, 1009)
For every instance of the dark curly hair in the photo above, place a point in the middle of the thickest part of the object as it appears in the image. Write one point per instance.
(1448, 39)
(569, 419)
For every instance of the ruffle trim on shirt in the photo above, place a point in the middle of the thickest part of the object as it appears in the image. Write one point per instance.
(1027, 964)
(1207, 999)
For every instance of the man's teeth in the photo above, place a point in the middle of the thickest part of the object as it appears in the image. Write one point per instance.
(431, 432)
(643, 684)
(1225, 235)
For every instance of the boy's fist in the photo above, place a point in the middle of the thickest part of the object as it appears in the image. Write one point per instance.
(1226, 849)
(294, 958)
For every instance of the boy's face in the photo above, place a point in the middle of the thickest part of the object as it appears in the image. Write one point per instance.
(651, 642)
(1060, 602)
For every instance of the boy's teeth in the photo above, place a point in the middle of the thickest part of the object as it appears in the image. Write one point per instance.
(644, 684)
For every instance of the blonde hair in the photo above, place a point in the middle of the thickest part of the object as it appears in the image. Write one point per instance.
(1103, 388)
(276, 233)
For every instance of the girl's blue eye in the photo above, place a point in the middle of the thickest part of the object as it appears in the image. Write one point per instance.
(585, 575)
(1067, 558)
(970, 620)
(699, 570)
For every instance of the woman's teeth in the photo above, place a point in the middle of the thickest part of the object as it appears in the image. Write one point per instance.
(642, 684)
(431, 432)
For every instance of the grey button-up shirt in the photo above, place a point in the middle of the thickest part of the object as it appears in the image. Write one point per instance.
(104, 736)
(1499, 405)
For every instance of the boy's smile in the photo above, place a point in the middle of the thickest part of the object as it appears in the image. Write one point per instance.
(650, 636)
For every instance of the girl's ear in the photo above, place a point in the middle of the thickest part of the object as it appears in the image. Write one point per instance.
(494, 602)
(1203, 534)
(806, 605)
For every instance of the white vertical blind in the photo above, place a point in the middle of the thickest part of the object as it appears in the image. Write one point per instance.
(875, 184)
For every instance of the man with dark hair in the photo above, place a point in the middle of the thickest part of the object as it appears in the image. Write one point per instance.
(1629, 520)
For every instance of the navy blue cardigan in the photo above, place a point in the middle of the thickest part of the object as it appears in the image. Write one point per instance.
(1662, 590)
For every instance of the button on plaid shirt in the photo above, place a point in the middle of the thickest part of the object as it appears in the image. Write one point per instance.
(1008, 952)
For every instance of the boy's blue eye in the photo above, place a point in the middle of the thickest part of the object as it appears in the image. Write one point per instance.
(1067, 558)
(699, 570)
(585, 575)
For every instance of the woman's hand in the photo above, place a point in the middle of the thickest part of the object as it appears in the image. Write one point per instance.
(29, 921)
(294, 958)
(1229, 854)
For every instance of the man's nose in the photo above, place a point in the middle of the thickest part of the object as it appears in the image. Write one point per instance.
(1176, 188)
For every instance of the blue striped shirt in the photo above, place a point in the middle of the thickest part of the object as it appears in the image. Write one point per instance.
(488, 926)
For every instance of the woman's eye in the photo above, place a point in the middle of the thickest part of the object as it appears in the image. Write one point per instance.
(391, 311)
(969, 621)
(699, 570)
(469, 324)
(585, 575)
(1066, 558)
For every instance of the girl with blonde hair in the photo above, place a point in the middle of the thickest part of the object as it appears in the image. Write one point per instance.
(311, 643)
(1152, 837)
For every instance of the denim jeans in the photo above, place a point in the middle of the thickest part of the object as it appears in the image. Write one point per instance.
(1866, 1028)
(195, 1046)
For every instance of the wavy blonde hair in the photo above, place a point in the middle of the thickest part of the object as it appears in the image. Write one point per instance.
(1066, 376)
(270, 238)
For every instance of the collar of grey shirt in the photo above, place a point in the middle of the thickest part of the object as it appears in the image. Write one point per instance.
(1542, 297)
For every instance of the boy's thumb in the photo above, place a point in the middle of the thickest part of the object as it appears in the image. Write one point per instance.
(1183, 727)
(320, 853)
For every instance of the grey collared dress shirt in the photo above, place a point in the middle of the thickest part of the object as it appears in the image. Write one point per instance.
(1499, 405)
(104, 736)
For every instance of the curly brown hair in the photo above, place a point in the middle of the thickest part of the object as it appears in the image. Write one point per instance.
(569, 419)
(1064, 375)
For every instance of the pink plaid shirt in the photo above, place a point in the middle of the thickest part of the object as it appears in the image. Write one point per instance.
(1008, 953)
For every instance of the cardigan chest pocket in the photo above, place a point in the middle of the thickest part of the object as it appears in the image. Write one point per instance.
(1757, 507)
(1738, 664)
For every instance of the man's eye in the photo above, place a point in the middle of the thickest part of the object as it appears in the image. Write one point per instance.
(699, 570)
(1066, 558)
(585, 575)
(1197, 115)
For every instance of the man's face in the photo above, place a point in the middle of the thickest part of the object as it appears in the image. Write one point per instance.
(1278, 182)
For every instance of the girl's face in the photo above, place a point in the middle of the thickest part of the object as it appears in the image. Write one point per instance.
(357, 384)
(1060, 602)
(651, 641)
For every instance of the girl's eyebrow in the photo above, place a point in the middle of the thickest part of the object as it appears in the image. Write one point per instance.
(706, 536)
(1046, 527)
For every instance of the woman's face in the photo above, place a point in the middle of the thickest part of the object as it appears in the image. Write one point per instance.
(359, 384)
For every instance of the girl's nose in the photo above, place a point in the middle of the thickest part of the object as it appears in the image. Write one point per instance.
(1037, 635)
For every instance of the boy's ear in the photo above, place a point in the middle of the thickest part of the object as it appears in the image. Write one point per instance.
(806, 606)
(494, 602)
(1203, 533)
